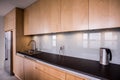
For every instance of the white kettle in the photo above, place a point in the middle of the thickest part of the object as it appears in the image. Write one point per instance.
(105, 56)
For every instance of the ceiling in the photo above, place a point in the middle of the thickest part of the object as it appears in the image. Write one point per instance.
(8, 5)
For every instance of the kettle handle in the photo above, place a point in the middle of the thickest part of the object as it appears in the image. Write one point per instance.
(109, 53)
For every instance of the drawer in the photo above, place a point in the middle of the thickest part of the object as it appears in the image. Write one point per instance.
(55, 72)
(40, 66)
(50, 70)
(74, 77)
(40, 75)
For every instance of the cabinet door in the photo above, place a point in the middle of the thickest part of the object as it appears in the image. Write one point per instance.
(31, 19)
(114, 13)
(10, 20)
(49, 16)
(42, 17)
(55, 16)
(26, 22)
(29, 69)
(19, 67)
(74, 15)
(98, 14)
(72, 77)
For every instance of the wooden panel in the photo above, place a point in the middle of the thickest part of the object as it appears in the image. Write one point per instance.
(26, 21)
(21, 40)
(34, 16)
(10, 20)
(114, 13)
(19, 67)
(40, 75)
(29, 69)
(74, 15)
(53, 72)
(40, 66)
(98, 14)
(73, 77)
(55, 15)
(32, 19)
(49, 16)
(42, 17)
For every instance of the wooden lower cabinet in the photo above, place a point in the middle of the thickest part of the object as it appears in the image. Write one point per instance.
(19, 71)
(24, 69)
(74, 77)
(41, 75)
(29, 69)
(45, 72)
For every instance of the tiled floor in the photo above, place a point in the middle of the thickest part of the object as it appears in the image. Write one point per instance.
(6, 76)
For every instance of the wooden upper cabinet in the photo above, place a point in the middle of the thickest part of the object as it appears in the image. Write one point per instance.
(42, 17)
(114, 8)
(50, 16)
(55, 16)
(104, 14)
(31, 19)
(98, 14)
(10, 20)
(74, 15)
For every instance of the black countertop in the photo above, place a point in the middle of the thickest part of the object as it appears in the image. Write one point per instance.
(89, 67)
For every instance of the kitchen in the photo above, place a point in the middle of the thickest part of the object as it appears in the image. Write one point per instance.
(63, 40)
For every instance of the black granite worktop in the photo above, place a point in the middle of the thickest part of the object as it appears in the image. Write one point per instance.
(88, 67)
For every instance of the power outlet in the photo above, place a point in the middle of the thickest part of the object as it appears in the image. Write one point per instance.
(61, 50)
(61, 47)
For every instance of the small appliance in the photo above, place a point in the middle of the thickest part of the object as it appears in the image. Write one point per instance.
(105, 56)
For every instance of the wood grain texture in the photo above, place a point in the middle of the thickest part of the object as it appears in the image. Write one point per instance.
(44, 76)
(29, 69)
(74, 77)
(26, 21)
(50, 72)
(114, 7)
(74, 15)
(98, 14)
(9, 21)
(32, 19)
(42, 17)
(55, 16)
(19, 67)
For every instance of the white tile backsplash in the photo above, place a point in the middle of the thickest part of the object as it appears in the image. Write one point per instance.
(82, 44)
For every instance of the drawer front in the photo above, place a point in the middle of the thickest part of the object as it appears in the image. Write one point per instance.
(41, 75)
(40, 66)
(55, 72)
(51, 71)
(74, 77)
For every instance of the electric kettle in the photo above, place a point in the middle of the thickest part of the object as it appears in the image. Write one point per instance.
(105, 56)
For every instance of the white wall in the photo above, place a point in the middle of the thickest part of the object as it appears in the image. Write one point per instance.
(2, 47)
